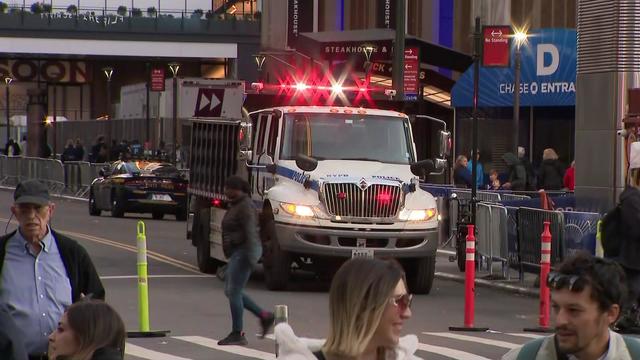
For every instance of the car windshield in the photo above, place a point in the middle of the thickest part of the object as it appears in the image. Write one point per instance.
(347, 137)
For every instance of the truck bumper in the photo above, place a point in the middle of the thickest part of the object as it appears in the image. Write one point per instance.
(339, 242)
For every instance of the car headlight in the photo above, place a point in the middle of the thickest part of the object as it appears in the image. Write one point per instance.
(417, 215)
(297, 210)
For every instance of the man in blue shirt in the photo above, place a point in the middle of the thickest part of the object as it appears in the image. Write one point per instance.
(41, 272)
(480, 169)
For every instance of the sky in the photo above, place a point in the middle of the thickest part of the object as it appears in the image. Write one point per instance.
(113, 4)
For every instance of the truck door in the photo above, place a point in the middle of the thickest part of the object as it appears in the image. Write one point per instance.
(265, 145)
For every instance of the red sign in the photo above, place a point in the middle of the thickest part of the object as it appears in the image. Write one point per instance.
(157, 79)
(495, 46)
(411, 70)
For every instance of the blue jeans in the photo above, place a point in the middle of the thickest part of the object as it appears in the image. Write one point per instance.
(238, 272)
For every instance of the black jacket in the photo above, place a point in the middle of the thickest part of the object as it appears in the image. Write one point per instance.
(517, 172)
(239, 226)
(462, 177)
(630, 216)
(82, 274)
(106, 354)
(11, 345)
(551, 175)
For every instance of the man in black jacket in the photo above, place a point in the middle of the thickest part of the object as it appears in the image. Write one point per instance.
(42, 272)
(11, 345)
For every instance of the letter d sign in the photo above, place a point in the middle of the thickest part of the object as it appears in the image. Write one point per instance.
(541, 68)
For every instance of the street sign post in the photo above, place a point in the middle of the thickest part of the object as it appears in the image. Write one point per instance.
(157, 79)
(411, 72)
(495, 46)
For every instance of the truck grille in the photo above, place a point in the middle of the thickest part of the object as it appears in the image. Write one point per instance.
(354, 200)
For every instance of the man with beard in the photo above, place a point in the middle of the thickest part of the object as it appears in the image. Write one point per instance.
(586, 295)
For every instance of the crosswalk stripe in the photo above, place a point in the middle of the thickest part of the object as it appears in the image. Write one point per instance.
(138, 351)
(525, 335)
(238, 350)
(502, 344)
(450, 353)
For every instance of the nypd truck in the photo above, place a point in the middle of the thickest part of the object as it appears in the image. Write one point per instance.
(329, 184)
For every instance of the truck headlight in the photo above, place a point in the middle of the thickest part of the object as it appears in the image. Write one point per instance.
(297, 210)
(417, 215)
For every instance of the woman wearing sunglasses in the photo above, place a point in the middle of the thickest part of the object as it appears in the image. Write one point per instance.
(368, 305)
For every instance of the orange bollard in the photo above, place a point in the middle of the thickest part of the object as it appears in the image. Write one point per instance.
(469, 284)
(545, 268)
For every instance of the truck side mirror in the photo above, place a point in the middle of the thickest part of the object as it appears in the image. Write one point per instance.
(440, 164)
(306, 163)
(445, 144)
(422, 167)
(245, 155)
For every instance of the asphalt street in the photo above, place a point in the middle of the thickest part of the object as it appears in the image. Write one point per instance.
(193, 306)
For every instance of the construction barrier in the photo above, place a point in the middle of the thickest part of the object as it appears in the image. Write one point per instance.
(469, 284)
(143, 288)
(545, 268)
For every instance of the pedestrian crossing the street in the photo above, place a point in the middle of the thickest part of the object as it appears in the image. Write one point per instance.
(432, 345)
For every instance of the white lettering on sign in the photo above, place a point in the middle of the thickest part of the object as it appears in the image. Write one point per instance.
(295, 17)
(541, 68)
(387, 14)
(351, 49)
(59, 71)
(534, 88)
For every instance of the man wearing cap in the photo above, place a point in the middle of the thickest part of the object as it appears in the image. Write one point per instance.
(42, 272)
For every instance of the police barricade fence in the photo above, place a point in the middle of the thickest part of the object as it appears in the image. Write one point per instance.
(530, 226)
(492, 237)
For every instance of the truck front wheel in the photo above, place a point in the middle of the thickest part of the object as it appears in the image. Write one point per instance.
(276, 262)
(420, 274)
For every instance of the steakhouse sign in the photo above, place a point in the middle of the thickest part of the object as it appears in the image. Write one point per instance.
(54, 71)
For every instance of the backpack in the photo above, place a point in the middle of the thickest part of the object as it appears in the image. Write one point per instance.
(530, 350)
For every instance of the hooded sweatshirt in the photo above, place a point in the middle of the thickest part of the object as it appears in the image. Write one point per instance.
(291, 347)
(517, 172)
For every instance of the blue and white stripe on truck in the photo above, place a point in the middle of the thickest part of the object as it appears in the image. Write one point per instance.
(296, 176)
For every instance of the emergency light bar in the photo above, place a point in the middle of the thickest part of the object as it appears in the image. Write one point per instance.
(300, 87)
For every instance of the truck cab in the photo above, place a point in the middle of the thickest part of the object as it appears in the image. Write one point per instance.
(332, 183)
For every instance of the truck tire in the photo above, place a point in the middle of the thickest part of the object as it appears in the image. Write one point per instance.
(181, 214)
(420, 274)
(117, 205)
(276, 262)
(93, 207)
(157, 215)
(206, 263)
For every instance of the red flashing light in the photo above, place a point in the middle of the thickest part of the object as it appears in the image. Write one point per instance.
(301, 86)
(347, 111)
(216, 202)
(362, 89)
(342, 195)
(334, 111)
(384, 198)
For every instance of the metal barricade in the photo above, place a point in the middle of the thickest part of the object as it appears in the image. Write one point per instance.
(492, 224)
(56, 179)
(72, 176)
(85, 178)
(13, 170)
(509, 197)
(530, 226)
(3, 168)
(488, 196)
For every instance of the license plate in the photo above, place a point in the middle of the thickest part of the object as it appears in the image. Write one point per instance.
(362, 253)
(160, 197)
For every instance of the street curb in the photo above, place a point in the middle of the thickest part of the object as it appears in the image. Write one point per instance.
(490, 284)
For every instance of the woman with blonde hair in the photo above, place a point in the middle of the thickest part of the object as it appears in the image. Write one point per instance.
(551, 174)
(88, 330)
(368, 305)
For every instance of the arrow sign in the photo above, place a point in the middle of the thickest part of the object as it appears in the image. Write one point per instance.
(209, 102)
(496, 33)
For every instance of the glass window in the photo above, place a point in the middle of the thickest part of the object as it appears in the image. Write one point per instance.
(347, 137)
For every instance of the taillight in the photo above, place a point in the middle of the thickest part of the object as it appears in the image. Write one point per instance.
(181, 186)
(217, 203)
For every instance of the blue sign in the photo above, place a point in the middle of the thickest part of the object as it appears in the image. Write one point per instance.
(547, 74)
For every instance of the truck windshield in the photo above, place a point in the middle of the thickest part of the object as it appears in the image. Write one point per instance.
(347, 137)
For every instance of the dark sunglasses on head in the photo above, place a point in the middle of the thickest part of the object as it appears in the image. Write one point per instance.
(558, 281)
(403, 302)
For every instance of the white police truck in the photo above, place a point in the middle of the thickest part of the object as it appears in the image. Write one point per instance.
(329, 183)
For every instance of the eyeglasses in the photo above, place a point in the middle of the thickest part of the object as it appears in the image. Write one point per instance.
(558, 281)
(402, 302)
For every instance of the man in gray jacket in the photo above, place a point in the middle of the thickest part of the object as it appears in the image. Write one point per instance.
(586, 295)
